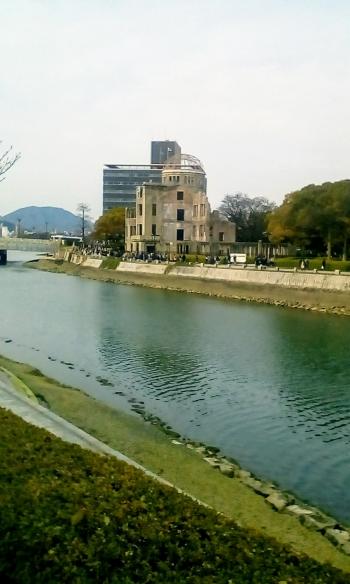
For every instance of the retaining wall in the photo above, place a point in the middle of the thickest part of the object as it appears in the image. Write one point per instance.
(142, 268)
(301, 280)
(288, 279)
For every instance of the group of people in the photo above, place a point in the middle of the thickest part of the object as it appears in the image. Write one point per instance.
(144, 256)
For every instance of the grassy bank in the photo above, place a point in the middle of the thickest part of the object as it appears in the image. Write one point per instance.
(149, 446)
(69, 515)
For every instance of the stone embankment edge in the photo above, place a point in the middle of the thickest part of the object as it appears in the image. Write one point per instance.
(323, 300)
(280, 501)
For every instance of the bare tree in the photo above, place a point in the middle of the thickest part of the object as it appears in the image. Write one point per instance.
(83, 211)
(7, 159)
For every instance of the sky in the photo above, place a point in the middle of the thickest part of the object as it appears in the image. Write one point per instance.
(257, 89)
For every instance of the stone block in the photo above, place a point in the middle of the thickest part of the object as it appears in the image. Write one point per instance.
(318, 523)
(227, 469)
(214, 462)
(298, 511)
(243, 474)
(277, 501)
(338, 536)
(345, 548)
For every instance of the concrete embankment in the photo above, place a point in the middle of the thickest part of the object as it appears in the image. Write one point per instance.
(316, 291)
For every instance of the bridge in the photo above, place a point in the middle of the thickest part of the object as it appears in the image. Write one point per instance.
(23, 244)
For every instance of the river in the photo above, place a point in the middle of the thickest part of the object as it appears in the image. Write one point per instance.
(268, 386)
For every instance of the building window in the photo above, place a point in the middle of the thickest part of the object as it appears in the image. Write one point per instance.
(221, 236)
(154, 229)
(177, 179)
(194, 231)
(180, 214)
(154, 209)
(180, 234)
(132, 230)
(195, 210)
(139, 229)
(180, 195)
(202, 210)
(201, 231)
(139, 209)
(170, 178)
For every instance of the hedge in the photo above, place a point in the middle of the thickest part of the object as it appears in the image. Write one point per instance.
(314, 263)
(68, 515)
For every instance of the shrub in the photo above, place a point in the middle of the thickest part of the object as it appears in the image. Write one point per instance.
(68, 515)
(195, 258)
(110, 263)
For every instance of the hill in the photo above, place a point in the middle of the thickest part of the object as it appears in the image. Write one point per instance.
(41, 219)
(8, 224)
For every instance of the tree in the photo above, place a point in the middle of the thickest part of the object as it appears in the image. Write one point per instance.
(83, 210)
(316, 215)
(111, 227)
(248, 213)
(7, 159)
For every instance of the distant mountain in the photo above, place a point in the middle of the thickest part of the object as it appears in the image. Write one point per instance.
(7, 224)
(41, 219)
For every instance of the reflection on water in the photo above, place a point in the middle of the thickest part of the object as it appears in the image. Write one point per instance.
(268, 386)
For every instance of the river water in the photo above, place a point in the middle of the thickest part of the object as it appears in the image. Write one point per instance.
(268, 386)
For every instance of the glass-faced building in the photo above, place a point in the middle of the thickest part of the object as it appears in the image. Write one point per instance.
(120, 182)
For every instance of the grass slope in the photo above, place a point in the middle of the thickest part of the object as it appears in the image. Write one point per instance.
(69, 515)
(183, 467)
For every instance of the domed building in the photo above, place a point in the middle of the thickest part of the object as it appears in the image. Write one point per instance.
(174, 215)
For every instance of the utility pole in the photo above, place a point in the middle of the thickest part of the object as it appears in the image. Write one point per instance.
(83, 210)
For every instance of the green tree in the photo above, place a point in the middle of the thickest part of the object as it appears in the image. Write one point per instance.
(315, 213)
(111, 227)
(248, 213)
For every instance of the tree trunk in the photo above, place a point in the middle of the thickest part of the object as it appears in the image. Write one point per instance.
(329, 245)
(345, 246)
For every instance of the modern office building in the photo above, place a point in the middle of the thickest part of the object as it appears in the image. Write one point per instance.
(120, 180)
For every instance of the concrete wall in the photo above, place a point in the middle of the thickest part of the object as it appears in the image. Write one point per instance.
(280, 278)
(92, 263)
(142, 268)
(288, 279)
